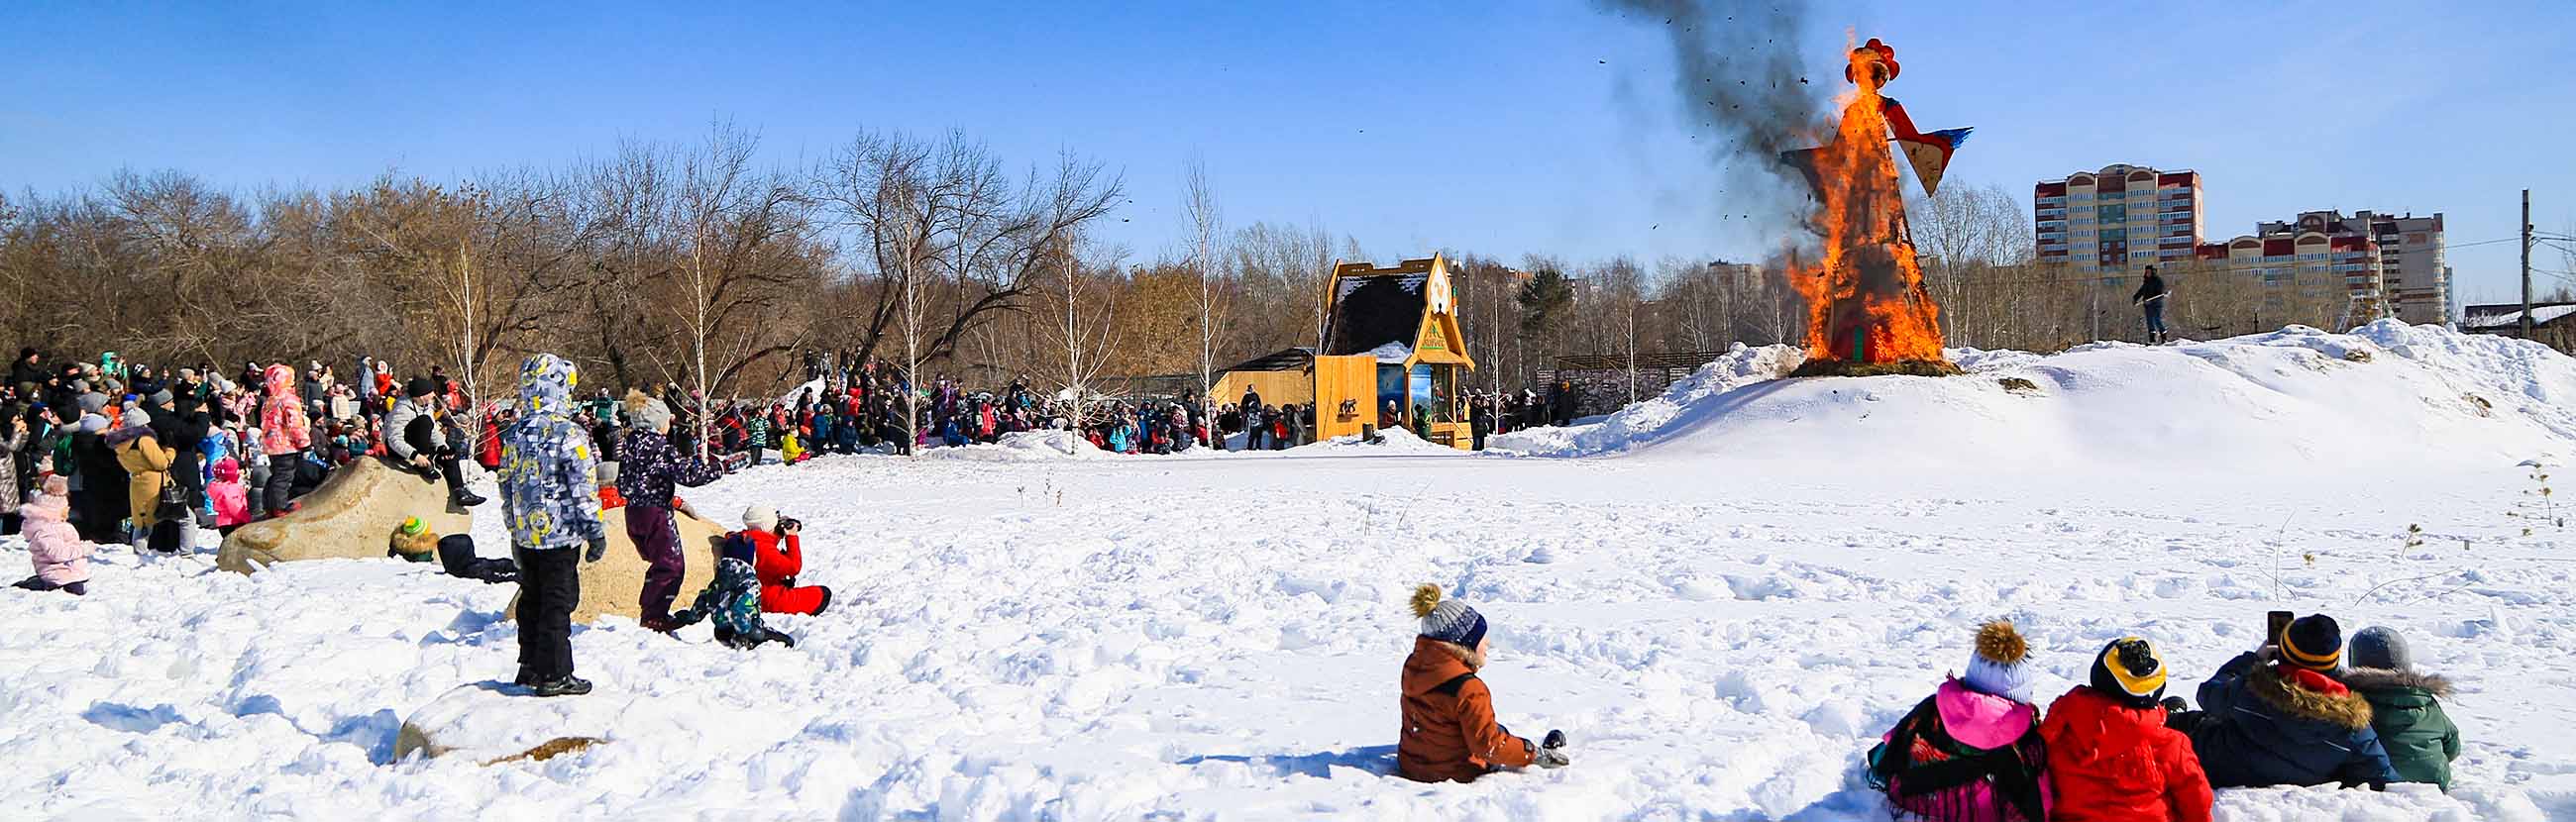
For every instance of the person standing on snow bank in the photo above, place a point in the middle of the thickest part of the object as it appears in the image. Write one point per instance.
(1971, 752)
(553, 509)
(647, 469)
(2150, 297)
(2110, 756)
(778, 556)
(60, 555)
(1449, 729)
(2276, 716)
(2405, 707)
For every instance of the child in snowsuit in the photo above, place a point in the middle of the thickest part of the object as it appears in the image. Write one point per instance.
(552, 505)
(732, 602)
(2110, 756)
(230, 498)
(60, 556)
(2405, 707)
(778, 556)
(1971, 752)
(2277, 716)
(1449, 731)
(648, 468)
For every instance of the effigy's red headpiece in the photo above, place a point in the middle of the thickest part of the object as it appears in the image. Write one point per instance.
(1886, 55)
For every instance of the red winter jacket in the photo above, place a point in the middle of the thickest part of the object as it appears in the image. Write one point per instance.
(778, 561)
(2113, 763)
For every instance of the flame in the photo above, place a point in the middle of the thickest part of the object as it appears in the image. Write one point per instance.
(1868, 292)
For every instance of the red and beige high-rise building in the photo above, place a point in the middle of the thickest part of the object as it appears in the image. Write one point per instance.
(2118, 220)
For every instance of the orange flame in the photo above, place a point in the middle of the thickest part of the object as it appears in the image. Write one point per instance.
(1866, 301)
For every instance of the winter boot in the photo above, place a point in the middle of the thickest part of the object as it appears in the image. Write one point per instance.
(569, 685)
(464, 498)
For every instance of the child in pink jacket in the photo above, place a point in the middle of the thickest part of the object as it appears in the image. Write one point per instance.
(1971, 752)
(230, 496)
(61, 558)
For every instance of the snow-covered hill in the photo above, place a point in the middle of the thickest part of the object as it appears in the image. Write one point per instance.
(1031, 632)
(2386, 394)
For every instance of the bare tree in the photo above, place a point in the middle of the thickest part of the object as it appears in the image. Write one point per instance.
(1206, 220)
(1084, 324)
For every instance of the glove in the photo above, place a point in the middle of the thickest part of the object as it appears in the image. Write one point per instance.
(598, 550)
(1550, 758)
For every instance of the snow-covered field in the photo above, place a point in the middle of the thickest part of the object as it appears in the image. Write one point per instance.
(1723, 605)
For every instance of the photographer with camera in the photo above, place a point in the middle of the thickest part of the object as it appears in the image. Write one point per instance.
(778, 556)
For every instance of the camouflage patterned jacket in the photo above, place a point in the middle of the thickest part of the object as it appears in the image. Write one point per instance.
(547, 488)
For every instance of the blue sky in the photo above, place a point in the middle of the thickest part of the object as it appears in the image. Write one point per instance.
(1504, 127)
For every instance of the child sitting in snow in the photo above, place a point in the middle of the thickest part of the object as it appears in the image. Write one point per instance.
(60, 557)
(2110, 756)
(732, 602)
(1449, 729)
(2405, 707)
(2278, 716)
(778, 555)
(1971, 752)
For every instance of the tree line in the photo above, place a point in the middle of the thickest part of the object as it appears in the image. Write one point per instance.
(693, 264)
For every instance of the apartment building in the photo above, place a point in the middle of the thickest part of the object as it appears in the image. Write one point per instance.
(2119, 219)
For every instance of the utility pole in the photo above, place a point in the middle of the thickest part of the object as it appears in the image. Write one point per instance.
(2526, 263)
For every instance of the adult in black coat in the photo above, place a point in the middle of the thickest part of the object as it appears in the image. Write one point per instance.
(2150, 298)
(101, 501)
(181, 424)
(28, 372)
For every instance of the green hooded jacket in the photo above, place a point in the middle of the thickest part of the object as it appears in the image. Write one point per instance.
(2406, 710)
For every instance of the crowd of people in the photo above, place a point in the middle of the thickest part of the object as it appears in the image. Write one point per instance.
(125, 453)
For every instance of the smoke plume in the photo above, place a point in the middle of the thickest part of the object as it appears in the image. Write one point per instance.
(1740, 90)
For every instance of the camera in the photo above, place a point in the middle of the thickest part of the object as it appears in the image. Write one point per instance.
(786, 524)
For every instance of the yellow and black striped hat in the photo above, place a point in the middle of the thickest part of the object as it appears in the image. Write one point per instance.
(2313, 642)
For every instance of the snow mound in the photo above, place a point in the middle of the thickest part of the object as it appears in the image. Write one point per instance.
(1393, 441)
(1643, 420)
(492, 722)
(793, 394)
(2386, 394)
(1023, 446)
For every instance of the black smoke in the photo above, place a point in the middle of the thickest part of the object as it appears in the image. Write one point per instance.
(1740, 89)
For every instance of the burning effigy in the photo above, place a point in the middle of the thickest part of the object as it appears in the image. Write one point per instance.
(1868, 312)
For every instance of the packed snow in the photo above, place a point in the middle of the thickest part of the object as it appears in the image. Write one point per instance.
(1723, 606)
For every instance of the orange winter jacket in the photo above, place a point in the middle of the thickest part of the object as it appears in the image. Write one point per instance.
(1449, 730)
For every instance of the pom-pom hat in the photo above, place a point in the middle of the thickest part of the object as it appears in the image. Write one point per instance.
(1447, 620)
(1998, 665)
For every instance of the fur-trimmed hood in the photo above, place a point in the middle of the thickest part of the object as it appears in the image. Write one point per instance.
(2310, 696)
(2380, 679)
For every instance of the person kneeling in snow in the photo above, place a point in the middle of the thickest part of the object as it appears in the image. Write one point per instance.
(778, 555)
(1971, 752)
(2277, 717)
(1449, 728)
(732, 602)
(61, 557)
(2110, 756)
